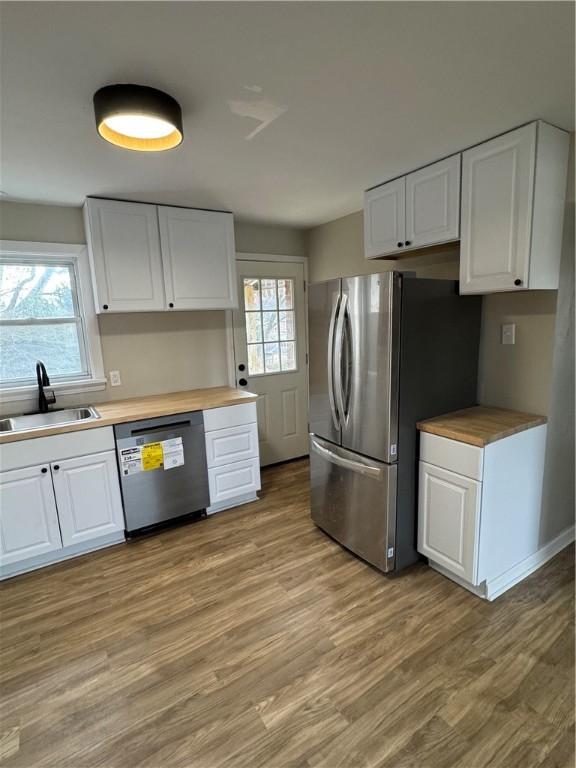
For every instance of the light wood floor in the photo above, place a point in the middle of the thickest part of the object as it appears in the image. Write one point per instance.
(252, 639)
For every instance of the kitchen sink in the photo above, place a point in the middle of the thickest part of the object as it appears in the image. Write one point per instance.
(33, 421)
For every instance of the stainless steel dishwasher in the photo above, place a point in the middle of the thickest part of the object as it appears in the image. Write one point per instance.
(163, 472)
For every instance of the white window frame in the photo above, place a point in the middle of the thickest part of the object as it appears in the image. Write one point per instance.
(77, 255)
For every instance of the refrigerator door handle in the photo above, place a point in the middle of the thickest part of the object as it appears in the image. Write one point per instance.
(361, 467)
(333, 410)
(338, 345)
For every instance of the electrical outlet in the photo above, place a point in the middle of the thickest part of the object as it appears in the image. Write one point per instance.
(508, 333)
(115, 379)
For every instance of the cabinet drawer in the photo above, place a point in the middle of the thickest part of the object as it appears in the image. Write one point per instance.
(225, 446)
(232, 480)
(230, 416)
(457, 457)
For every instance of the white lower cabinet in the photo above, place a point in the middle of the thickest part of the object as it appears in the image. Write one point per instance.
(28, 517)
(88, 497)
(63, 505)
(479, 509)
(232, 455)
(448, 520)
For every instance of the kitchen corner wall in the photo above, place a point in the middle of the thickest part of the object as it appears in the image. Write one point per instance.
(155, 352)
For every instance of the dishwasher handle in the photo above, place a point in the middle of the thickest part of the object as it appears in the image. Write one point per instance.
(159, 424)
(163, 428)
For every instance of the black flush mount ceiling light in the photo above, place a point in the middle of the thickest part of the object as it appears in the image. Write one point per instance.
(138, 117)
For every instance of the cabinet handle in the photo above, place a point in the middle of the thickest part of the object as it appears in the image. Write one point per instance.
(400, 245)
(171, 305)
(56, 467)
(44, 470)
(517, 281)
(104, 306)
(408, 242)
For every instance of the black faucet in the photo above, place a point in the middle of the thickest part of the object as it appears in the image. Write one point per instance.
(43, 381)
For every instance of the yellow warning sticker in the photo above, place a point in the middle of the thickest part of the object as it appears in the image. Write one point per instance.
(152, 456)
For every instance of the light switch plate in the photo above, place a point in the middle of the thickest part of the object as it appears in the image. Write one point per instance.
(115, 379)
(508, 333)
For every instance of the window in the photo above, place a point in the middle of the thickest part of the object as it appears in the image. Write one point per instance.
(270, 325)
(44, 315)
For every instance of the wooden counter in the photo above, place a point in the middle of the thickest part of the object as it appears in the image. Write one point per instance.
(134, 409)
(480, 425)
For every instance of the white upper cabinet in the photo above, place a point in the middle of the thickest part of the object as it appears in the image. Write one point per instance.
(147, 258)
(124, 249)
(513, 194)
(433, 204)
(199, 258)
(422, 208)
(385, 218)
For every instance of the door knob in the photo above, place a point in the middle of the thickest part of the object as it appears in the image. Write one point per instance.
(242, 382)
(241, 367)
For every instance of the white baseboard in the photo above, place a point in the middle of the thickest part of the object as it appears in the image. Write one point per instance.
(499, 585)
(236, 502)
(66, 553)
(490, 590)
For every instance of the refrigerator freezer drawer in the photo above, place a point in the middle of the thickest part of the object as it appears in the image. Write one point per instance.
(353, 499)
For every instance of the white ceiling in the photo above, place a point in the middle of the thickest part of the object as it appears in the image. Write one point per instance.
(357, 93)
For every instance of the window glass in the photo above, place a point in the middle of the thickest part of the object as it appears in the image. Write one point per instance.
(39, 320)
(270, 319)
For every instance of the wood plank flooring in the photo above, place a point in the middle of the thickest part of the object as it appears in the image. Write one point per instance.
(251, 639)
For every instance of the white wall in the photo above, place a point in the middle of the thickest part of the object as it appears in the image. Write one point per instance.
(154, 352)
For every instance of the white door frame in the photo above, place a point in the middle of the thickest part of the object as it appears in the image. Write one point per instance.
(230, 357)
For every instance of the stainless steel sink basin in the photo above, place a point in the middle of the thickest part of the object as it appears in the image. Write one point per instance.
(33, 421)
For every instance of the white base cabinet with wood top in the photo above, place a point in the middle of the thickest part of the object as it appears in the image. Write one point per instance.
(63, 504)
(232, 455)
(479, 510)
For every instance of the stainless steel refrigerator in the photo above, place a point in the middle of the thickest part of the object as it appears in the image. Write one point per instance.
(386, 350)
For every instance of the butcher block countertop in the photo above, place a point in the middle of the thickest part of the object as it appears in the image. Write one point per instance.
(136, 408)
(480, 425)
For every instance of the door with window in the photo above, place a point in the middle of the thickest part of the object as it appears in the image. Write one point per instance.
(271, 356)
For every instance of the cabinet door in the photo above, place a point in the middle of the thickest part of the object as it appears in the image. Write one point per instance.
(497, 196)
(433, 204)
(199, 258)
(28, 518)
(124, 248)
(449, 519)
(384, 219)
(88, 497)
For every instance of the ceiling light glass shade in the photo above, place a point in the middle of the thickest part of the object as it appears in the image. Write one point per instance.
(138, 117)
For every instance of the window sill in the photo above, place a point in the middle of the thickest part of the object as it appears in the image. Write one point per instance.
(30, 391)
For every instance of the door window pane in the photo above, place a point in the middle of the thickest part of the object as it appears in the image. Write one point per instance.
(269, 294)
(270, 319)
(251, 293)
(288, 355)
(287, 326)
(286, 294)
(253, 327)
(270, 325)
(272, 358)
(255, 359)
